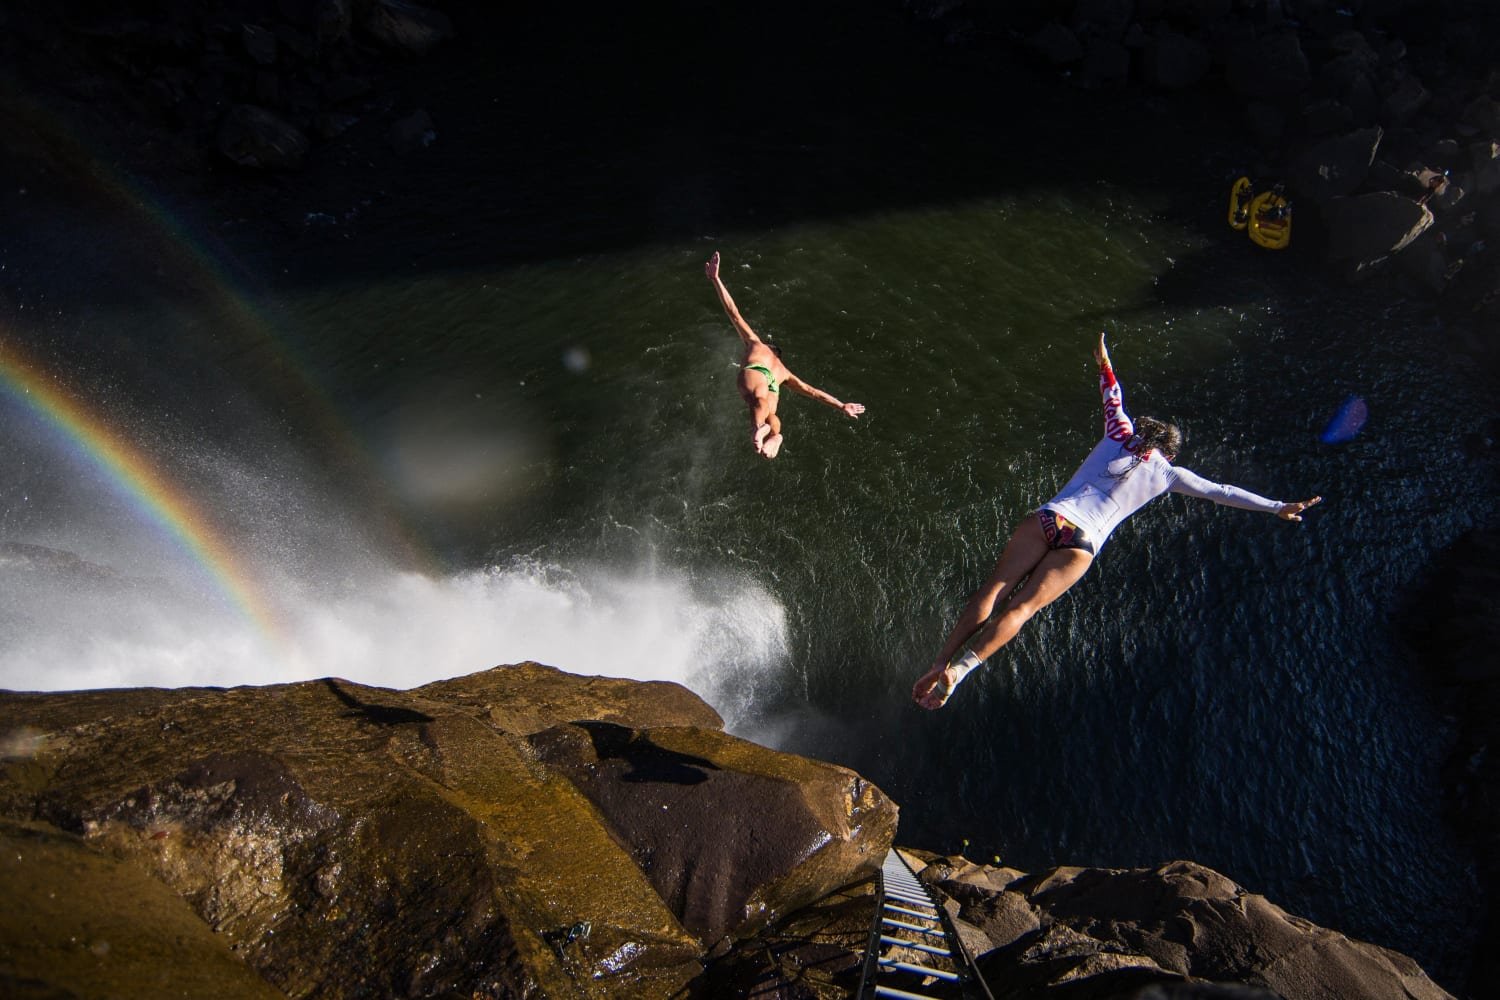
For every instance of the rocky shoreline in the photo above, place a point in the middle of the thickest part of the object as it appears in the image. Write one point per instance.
(523, 832)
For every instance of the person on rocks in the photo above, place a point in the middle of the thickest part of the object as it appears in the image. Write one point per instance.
(1052, 548)
(762, 376)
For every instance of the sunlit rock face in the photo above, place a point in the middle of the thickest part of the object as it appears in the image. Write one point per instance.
(350, 841)
(690, 804)
(1106, 934)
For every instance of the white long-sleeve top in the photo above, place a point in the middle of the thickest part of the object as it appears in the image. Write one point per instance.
(1106, 490)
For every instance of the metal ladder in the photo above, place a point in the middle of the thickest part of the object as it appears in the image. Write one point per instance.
(911, 946)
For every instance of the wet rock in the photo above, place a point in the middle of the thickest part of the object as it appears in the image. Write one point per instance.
(136, 938)
(815, 953)
(692, 804)
(340, 838)
(1111, 933)
(1485, 157)
(1102, 19)
(1268, 67)
(1451, 623)
(1056, 44)
(1334, 167)
(1404, 101)
(1365, 229)
(406, 27)
(260, 44)
(1105, 62)
(1173, 61)
(254, 137)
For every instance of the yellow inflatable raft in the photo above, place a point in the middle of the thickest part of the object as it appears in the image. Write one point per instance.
(1270, 221)
(1239, 203)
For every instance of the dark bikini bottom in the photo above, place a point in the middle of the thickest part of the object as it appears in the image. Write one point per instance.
(1062, 533)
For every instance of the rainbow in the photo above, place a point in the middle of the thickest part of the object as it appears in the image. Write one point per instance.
(153, 493)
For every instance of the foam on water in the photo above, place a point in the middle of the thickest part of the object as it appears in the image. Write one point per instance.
(723, 637)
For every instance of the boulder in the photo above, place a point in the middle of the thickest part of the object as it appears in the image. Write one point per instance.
(1485, 157)
(1363, 230)
(1115, 933)
(404, 27)
(1173, 61)
(259, 43)
(348, 841)
(1483, 113)
(1405, 100)
(1270, 67)
(1056, 44)
(1334, 167)
(254, 137)
(1102, 19)
(693, 805)
(1105, 62)
(1326, 117)
(138, 939)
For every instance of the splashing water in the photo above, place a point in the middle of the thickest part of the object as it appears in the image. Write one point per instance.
(724, 638)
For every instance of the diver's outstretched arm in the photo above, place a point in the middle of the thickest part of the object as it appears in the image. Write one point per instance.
(740, 326)
(793, 382)
(1117, 425)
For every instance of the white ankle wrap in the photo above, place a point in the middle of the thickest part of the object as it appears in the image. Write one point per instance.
(963, 664)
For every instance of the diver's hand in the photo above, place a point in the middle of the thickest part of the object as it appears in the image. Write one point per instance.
(853, 409)
(1293, 511)
(712, 267)
(1100, 354)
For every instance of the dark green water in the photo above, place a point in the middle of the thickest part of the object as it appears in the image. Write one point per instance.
(434, 465)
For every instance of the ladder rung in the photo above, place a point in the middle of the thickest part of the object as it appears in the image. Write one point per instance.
(911, 913)
(920, 970)
(886, 991)
(911, 898)
(903, 943)
(911, 927)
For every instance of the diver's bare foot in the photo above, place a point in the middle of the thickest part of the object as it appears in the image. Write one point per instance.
(933, 688)
(759, 437)
(772, 446)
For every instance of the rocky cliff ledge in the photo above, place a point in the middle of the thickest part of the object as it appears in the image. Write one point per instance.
(524, 832)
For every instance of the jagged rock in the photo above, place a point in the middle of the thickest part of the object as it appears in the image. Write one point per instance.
(1200, 11)
(1334, 167)
(342, 839)
(1326, 117)
(1424, 262)
(1102, 19)
(1483, 113)
(1173, 61)
(260, 44)
(1268, 67)
(691, 806)
(1109, 933)
(1405, 100)
(1485, 156)
(1452, 625)
(406, 27)
(817, 952)
(254, 137)
(1265, 123)
(1056, 44)
(1365, 229)
(332, 20)
(1105, 62)
(138, 939)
